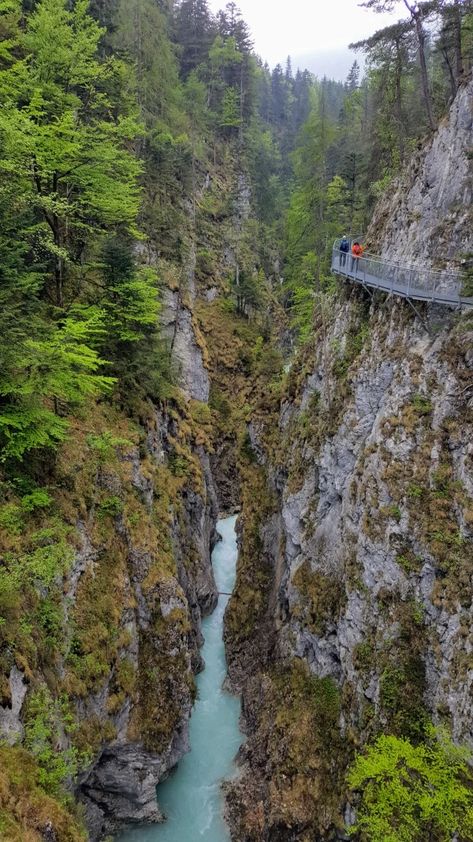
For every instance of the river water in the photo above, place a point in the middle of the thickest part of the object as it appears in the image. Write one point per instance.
(191, 798)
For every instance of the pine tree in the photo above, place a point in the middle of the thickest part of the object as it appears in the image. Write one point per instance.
(353, 79)
(390, 51)
(419, 13)
(195, 32)
(74, 167)
(142, 38)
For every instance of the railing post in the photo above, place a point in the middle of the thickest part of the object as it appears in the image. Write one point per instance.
(413, 282)
(434, 287)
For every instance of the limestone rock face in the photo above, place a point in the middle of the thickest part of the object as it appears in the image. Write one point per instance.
(119, 789)
(179, 331)
(122, 788)
(402, 445)
(372, 567)
(426, 216)
(11, 727)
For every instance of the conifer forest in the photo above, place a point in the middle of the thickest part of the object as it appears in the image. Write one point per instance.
(180, 343)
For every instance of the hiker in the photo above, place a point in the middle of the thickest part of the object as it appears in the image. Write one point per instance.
(356, 253)
(344, 248)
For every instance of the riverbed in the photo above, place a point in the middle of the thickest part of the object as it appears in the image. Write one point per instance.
(191, 798)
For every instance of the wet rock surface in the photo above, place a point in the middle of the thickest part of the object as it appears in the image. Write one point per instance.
(120, 787)
(368, 589)
(425, 219)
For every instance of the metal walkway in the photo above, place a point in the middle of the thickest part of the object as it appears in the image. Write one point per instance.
(411, 282)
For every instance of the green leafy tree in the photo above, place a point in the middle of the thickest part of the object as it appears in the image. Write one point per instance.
(66, 137)
(51, 374)
(412, 793)
(131, 306)
(230, 112)
(142, 36)
(225, 96)
(249, 291)
(68, 177)
(390, 52)
(309, 225)
(45, 722)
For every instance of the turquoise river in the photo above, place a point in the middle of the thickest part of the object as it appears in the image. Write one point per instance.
(192, 798)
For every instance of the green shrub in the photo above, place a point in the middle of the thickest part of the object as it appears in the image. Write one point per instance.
(105, 445)
(422, 404)
(413, 793)
(44, 724)
(11, 519)
(110, 507)
(37, 499)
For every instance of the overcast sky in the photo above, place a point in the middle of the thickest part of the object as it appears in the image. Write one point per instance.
(301, 27)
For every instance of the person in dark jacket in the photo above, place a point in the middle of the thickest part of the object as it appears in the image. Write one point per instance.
(344, 248)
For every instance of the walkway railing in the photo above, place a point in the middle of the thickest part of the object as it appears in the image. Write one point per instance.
(413, 282)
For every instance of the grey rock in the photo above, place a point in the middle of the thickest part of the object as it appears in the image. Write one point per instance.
(425, 217)
(178, 329)
(11, 727)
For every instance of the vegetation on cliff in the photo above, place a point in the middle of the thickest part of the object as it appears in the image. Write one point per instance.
(413, 793)
(153, 168)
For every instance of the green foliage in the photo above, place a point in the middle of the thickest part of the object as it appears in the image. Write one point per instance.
(24, 805)
(132, 297)
(249, 290)
(74, 169)
(142, 33)
(66, 124)
(105, 445)
(49, 558)
(230, 111)
(58, 370)
(45, 721)
(37, 499)
(422, 404)
(412, 793)
(11, 518)
(317, 209)
(110, 507)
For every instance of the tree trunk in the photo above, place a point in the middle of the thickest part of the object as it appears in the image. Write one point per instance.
(59, 277)
(457, 34)
(241, 102)
(423, 71)
(400, 128)
(451, 75)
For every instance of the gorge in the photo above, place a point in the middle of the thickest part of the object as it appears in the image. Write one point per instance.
(192, 799)
(175, 349)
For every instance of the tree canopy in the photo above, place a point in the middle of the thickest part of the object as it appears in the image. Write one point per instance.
(413, 793)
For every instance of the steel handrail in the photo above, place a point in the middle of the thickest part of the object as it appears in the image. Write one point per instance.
(412, 266)
(377, 257)
(414, 282)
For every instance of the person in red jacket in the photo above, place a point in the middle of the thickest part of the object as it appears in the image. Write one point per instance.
(356, 253)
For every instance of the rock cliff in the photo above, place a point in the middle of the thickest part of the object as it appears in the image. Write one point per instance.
(354, 600)
(108, 681)
(161, 620)
(425, 217)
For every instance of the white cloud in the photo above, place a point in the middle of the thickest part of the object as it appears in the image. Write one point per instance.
(294, 27)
